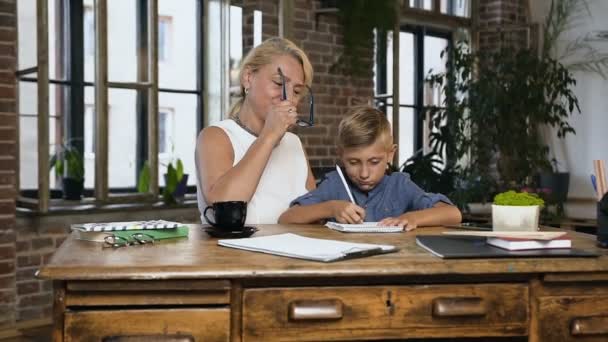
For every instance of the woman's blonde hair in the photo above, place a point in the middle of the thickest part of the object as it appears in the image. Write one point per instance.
(263, 54)
(362, 127)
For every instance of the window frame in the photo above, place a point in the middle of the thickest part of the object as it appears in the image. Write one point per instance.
(146, 86)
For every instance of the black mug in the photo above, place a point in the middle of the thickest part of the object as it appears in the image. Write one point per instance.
(229, 215)
(602, 222)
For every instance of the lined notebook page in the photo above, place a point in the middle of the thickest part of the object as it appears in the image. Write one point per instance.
(365, 227)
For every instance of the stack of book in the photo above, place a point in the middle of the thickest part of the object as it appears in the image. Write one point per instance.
(519, 241)
(157, 229)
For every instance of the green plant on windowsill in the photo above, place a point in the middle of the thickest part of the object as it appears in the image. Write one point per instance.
(175, 182)
(68, 162)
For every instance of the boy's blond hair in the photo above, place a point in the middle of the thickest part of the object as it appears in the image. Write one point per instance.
(263, 54)
(362, 127)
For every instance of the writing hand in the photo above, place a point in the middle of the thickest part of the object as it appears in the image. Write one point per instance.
(404, 220)
(347, 212)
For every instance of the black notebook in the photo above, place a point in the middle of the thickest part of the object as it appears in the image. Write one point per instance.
(449, 247)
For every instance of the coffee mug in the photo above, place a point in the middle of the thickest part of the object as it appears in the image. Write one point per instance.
(229, 215)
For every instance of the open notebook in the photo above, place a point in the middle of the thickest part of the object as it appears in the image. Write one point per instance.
(365, 227)
(301, 247)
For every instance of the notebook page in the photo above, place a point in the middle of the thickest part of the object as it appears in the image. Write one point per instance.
(365, 227)
(296, 246)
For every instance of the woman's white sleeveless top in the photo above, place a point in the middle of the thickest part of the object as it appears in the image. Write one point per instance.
(283, 179)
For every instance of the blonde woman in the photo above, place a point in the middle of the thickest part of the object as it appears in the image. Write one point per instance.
(251, 156)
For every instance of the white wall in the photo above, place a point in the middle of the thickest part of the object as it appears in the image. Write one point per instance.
(576, 152)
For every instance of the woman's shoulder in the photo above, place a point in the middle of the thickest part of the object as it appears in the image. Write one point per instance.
(216, 132)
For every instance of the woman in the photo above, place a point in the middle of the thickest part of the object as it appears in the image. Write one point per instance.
(250, 156)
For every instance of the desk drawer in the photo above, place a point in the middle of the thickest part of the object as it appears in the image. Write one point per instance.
(573, 318)
(191, 325)
(338, 313)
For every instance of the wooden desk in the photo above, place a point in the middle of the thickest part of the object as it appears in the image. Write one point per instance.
(194, 288)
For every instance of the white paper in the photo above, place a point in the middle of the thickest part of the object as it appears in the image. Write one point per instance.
(301, 247)
(365, 227)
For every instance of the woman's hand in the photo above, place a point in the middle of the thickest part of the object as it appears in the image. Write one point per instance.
(347, 212)
(279, 118)
(406, 221)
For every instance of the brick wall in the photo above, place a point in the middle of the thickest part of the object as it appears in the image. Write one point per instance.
(504, 22)
(8, 159)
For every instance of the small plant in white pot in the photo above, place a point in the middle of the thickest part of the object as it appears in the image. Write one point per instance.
(516, 211)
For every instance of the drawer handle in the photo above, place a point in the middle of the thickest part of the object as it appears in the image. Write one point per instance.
(459, 307)
(589, 326)
(304, 310)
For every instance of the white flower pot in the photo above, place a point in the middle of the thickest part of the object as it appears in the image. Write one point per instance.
(515, 218)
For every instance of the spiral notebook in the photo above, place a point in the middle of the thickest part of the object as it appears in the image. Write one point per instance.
(365, 227)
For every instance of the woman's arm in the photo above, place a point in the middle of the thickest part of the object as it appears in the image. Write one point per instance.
(220, 181)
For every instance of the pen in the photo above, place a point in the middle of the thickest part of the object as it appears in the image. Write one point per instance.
(594, 183)
(350, 195)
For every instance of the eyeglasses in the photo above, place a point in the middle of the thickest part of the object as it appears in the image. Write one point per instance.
(117, 241)
(299, 122)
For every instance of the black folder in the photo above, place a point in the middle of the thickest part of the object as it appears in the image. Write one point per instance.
(451, 247)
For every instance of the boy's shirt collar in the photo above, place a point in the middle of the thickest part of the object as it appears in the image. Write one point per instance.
(361, 197)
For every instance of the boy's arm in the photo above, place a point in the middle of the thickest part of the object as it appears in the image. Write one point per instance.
(440, 214)
(342, 211)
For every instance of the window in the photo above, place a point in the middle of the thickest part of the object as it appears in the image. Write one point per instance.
(89, 31)
(419, 53)
(164, 38)
(165, 130)
(73, 40)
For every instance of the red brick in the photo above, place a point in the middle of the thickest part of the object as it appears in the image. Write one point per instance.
(7, 207)
(40, 243)
(7, 20)
(8, 35)
(26, 273)
(28, 260)
(7, 91)
(28, 287)
(8, 7)
(59, 241)
(8, 106)
(7, 251)
(7, 235)
(7, 267)
(8, 63)
(23, 246)
(35, 300)
(7, 281)
(8, 133)
(30, 314)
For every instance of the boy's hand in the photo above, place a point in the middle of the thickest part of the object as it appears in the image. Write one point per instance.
(347, 212)
(405, 221)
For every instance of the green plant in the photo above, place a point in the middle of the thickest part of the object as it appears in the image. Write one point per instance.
(518, 199)
(68, 162)
(494, 103)
(358, 19)
(173, 177)
(576, 53)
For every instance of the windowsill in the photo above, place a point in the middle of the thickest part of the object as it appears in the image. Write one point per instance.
(59, 207)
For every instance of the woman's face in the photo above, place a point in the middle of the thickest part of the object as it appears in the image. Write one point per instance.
(265, 85)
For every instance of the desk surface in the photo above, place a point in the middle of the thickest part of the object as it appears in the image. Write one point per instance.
(199, 257)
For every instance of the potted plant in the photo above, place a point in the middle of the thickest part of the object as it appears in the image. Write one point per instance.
(69, 166)
(516, 211)
(176, 182)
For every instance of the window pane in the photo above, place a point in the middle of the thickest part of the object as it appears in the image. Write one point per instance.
(28, 133)
(88, 22)
(406, 132)
(26, 25)
(89, 137)
(122, 138)
(435, 64)
(122, 55)
(422, 4)
(177, 133)
(177, 44)
(406, 67)
(236, 51)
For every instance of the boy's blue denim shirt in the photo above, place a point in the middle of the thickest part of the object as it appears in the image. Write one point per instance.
(394, 195)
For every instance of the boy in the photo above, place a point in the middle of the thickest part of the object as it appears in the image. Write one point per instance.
(365, 147)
